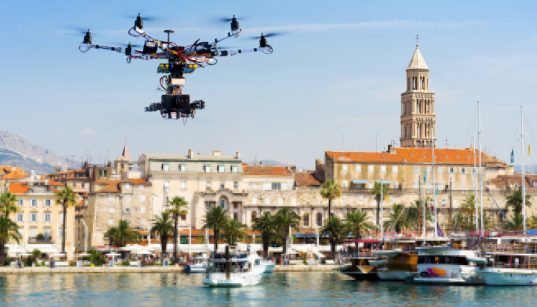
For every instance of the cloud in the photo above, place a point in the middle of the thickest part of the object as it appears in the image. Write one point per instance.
(88, 131)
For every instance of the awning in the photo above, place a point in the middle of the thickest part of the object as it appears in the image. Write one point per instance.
(305, 235)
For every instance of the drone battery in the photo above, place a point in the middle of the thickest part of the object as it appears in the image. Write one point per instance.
(178, 81)
(175, 102)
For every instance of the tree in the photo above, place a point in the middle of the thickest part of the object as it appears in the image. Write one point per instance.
(163, 226)
(285, 218)
(514, 200)
(379, 189)
(532, 222)
(330, 190)
(415, 214)
(8, 203)
(336, 230)
(9, 230)
(397, 218)
(66, 198)
(95, 257)
(357, 221)
(216, 219)
(465, 218)
(177, 209)
(122, 234)
(266, 225)
(233, 230)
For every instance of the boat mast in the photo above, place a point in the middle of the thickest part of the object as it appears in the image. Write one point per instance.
(434, 192)
(476, 213)
(480, 175)
(381, 207)
(523, 179)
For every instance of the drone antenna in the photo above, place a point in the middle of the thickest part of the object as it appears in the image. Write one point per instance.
(168, 32)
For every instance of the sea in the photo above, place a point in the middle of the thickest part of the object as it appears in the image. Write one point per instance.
(276, 289)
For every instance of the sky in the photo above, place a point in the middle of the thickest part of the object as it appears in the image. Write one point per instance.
(333, 82)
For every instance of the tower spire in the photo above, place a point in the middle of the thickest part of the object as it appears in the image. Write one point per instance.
(417, 40)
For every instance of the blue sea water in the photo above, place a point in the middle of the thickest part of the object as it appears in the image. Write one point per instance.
(277, 289)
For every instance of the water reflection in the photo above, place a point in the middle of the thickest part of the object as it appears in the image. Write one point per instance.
(279, 289)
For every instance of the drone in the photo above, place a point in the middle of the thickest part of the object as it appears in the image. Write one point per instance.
(181, 60)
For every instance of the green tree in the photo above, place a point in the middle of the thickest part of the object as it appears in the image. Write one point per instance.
(337, 231)
(96, 257)
(330, 190)
(66, 198)
(216, 219)
(233, 230)
(397, 218)
(9, 230)
(415, 214)
(514, 201)
(285, 219)
(357, 221)
(8, 203)
(379, 189)
(122, 234)
(464, 219)
(163, 226)
(266, 225)
(177, 209)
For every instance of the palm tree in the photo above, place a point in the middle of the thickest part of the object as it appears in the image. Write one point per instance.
(357, 221)
(163, 226)
(8, 203)
(177, 209)
(66, 198)
(122, 234)
(415, 214)
(216, 219)
(8, 231)
(514, 200)
(285, 218)
(330, 190)
(464, 219)
(266, 225)
(233, 230)
(398, 218)
(336, 230)
(379, 189)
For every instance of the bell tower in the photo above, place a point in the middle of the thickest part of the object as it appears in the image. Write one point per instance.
(418, 119)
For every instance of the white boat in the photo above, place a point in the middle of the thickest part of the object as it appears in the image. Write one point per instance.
(400, 265)
(234, 271)
(269, 265)
(445, 265)
(198, 265)
(510, 269)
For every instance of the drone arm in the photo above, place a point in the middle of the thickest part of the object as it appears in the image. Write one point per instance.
(86, 47)
(229, 34)
(232, 52)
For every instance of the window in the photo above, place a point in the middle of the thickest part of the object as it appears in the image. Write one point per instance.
(395, 169)
(183, 184)
(47, 216)
(47, 202)
(20, 217)
(209, 204)
(234, 169)
(222, 186)
(33, 217)
(276, 186)
(254, 216)
(46, 233)
(319, 219)
(182, 167)
(164, 167)
(33, 233)
(34, 202)
(306, 219)
(344, 168)
(207, 168)
(370, 168)
(235, 185)
(221, 168)
(357, 168)
(21, 202)
(383, 169)
(223, 203)
(416, 169)
(463, 170)
(451, 170)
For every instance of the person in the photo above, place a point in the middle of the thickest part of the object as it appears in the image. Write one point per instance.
(517, 262)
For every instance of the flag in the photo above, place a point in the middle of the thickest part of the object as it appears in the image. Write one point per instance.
(512, 156)
(529, 150)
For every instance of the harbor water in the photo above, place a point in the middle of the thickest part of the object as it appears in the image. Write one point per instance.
(278, 289)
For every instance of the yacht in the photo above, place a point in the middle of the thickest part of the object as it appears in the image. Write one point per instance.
(234, 270)
(198, 265)
(510, 269)
(446, 265)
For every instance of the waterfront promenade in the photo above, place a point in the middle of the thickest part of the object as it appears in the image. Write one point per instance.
(147, 269)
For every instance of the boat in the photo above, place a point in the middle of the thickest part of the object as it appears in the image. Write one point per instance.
(447, 265)
(234, 270)
(198, 265)
(510, 269)
(400, 265)
(269, 266)
(363, 263)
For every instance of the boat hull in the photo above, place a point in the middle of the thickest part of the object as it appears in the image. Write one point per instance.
(395, 275)
(509, 277)
(219, 280)
(448, 274)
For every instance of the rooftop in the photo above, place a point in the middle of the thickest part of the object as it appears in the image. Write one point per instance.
(266, 170)
(417, 61)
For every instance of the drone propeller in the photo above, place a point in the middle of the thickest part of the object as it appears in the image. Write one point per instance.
(145, 17)
(267, 35)
(127, 45)
(229, 19)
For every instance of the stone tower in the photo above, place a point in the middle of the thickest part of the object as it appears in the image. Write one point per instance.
(418, 120)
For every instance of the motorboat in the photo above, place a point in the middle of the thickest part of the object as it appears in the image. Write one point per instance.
(269, 265)
(363, 263)
(400, 265)
(198, 265)
(234, 270)
(447, 265)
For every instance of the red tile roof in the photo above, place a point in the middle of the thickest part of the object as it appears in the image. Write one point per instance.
(306, 179)
(11, 173)
(18, 188)
(415, 156)
(262, 170)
